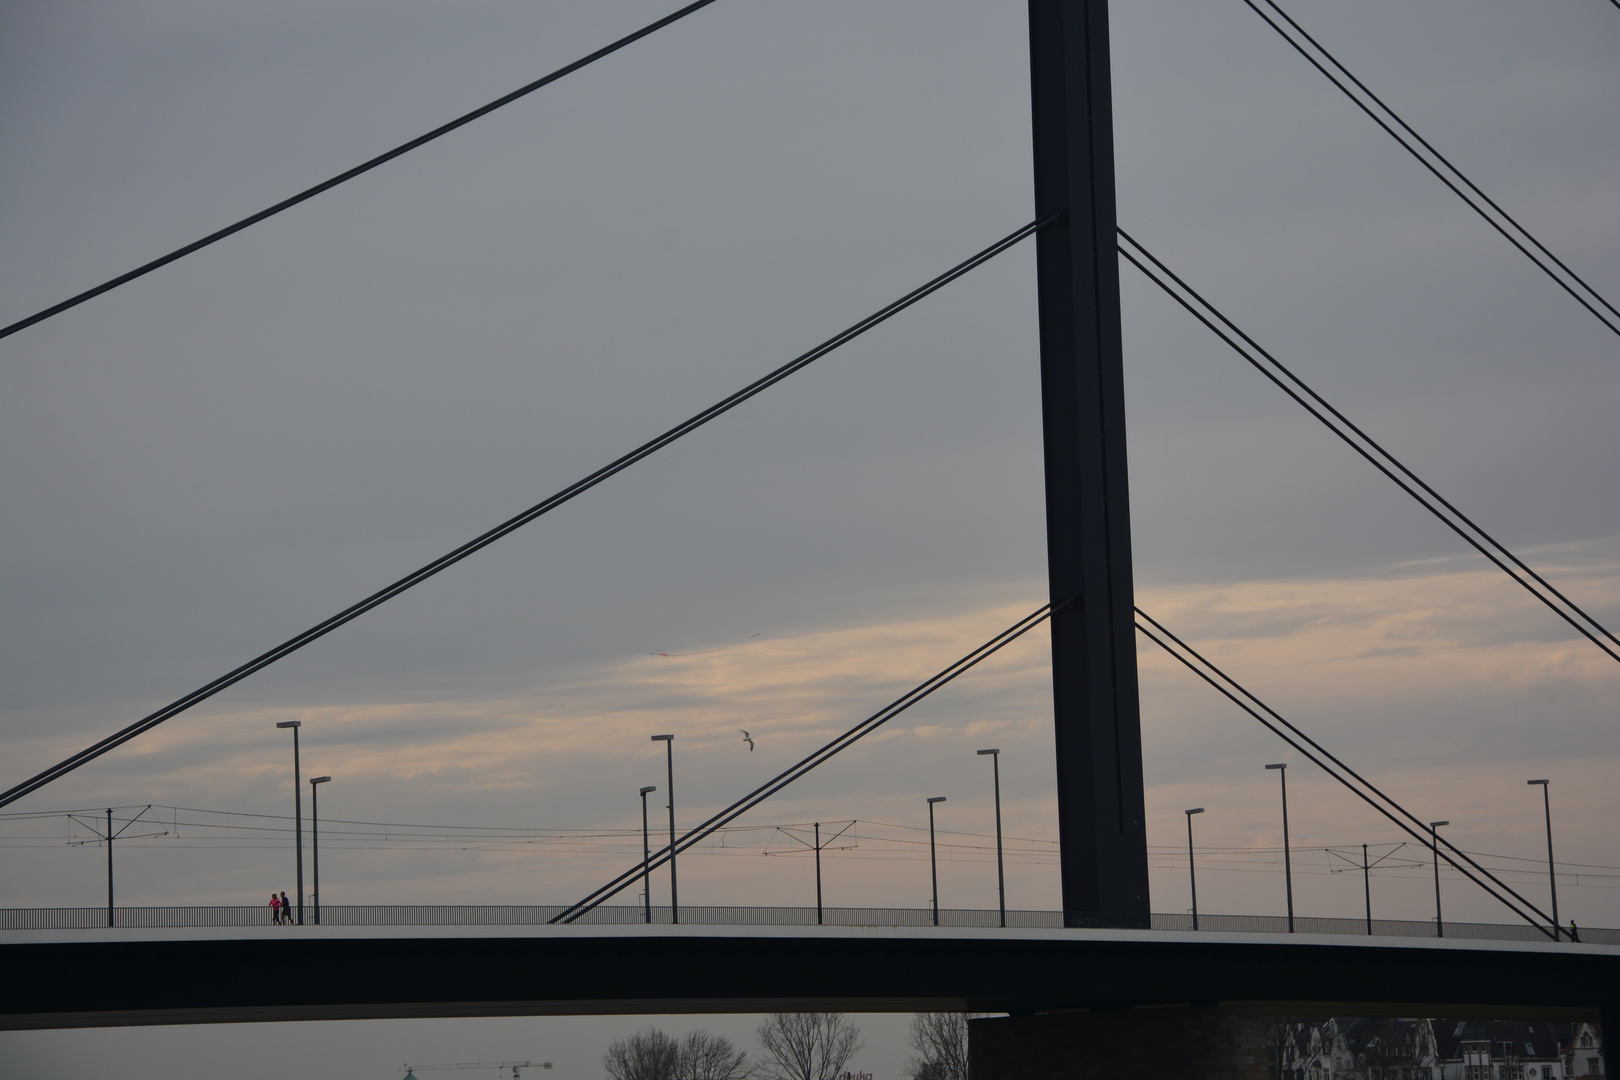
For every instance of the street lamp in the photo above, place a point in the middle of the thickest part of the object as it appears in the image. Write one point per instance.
(1001, 873)
(298, 815)
(1552, 875)
(933, 861)
(669, 756)
(1434, 850)
(646, 855)
(1192, 875)
(1288, 867)
(315, 838)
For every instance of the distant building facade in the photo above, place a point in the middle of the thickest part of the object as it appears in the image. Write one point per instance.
(1583, 1053)
(1501, 1049)
(1379, 1048)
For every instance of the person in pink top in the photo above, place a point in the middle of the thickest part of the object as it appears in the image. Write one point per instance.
(275, 909)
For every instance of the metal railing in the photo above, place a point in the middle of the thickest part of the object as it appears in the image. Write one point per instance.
(200, 917)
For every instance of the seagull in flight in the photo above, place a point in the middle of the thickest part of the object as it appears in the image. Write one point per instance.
(748, 739)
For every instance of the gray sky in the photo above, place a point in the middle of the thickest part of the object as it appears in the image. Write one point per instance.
(207, 461)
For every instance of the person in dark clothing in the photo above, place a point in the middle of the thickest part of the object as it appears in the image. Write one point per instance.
(1574, 935)
(286, 910)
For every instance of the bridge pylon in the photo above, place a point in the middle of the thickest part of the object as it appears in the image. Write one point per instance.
(1088, 531)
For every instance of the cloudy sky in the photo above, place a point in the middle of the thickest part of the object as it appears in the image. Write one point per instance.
(201, 464)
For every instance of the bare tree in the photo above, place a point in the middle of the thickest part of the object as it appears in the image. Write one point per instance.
(705, 1056)
(1279, 1030)
(806, 1046)
(941, 1042)
(1386, 1047)
(646, 1055)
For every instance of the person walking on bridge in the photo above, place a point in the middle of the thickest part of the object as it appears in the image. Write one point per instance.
(286, 909)
(275, 910)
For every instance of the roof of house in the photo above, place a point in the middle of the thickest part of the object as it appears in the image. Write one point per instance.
(1524, 1039)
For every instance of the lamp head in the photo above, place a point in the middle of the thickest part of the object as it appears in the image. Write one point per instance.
(663, 738)
(984, 752)
(1437, 824)
(320, 779)
(937, 798)
(647, 790)
(1279, 765)
(1543, 783)
(289, 723)
(1194, 810)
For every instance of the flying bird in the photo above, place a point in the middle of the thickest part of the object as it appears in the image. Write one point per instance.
(748, 739)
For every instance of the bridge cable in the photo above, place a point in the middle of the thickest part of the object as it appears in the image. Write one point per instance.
(367, 166)
(825, 753)
(1221, 681)
(579, 487)
(1584, 300)
(1372, 451)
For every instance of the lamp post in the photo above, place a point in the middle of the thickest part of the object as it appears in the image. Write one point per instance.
(1001, 873)
(1552, 874)
(1288, 867)
(646, 855)
(298, 815)
(669, 757)
(933, 862)
(1192, 874)
(1434, 850)
(315, 839)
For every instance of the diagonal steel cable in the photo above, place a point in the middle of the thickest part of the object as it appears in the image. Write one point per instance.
(1221, 677)
(1380, 458)
(825, 753)
(1613, 324)
(579, 487)
(350, 174)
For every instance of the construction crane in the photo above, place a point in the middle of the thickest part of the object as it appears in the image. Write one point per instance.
(412, 1070)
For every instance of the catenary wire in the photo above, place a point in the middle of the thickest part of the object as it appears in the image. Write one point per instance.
(870, 843)
(367, 166)
(1582, 300)
(1416, 834)
(579, 487)
(825, 753)
(1500, 551)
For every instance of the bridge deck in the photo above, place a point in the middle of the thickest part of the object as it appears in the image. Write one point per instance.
(78, 978)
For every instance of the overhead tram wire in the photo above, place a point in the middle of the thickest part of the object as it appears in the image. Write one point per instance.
(1612, 320)
(579, 487)
(1236, 693)
(824, 754)
(366, 166)
(1368, 447)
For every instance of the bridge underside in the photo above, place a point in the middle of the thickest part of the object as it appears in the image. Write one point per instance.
(251, 977)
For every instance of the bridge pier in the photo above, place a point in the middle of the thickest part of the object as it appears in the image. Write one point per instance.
(1220, 1042)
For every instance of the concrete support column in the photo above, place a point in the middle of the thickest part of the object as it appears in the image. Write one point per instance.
(1219, 1042)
